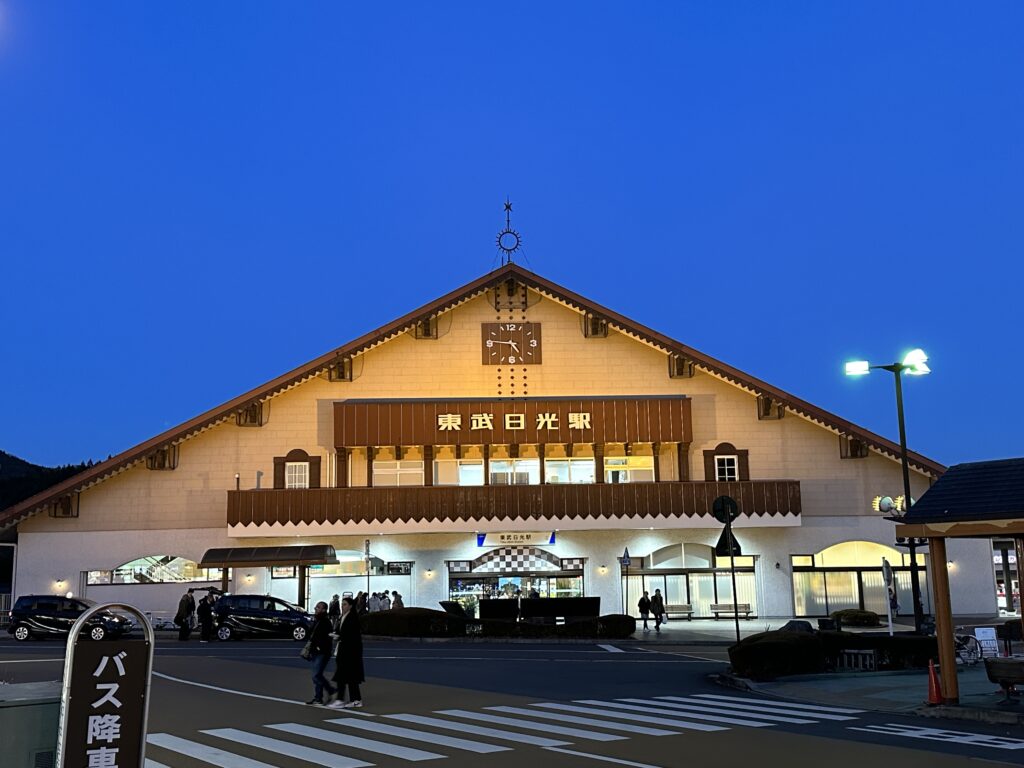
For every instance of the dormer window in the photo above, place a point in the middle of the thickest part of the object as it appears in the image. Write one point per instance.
(727, 469)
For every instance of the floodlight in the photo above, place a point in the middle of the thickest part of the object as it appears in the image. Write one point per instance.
(883, 504)
(916, 363)
(858, 368)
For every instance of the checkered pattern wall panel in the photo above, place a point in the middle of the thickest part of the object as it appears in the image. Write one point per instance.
(516, 559)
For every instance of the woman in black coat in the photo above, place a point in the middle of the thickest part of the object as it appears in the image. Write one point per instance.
(349, 669)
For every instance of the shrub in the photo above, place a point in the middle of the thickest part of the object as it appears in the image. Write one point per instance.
(768, 655)
(901, 651)
(854, 617)
(413, 622)
(616, 626)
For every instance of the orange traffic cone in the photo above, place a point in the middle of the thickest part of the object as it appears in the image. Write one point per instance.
(934, 692)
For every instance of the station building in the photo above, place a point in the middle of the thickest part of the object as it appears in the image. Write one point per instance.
(509, 435)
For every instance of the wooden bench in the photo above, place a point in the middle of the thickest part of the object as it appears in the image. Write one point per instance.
(679, 609)
(727, 608)
(1007, 673)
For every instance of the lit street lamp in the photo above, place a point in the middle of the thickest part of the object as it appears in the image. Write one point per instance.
(915, 363)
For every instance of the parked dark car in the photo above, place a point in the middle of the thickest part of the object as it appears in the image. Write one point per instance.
(261, 616)
(53, 616)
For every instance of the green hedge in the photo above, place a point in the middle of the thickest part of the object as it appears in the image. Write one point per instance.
(903, 651)
(413, 622)
(768, 655)
(854, 617)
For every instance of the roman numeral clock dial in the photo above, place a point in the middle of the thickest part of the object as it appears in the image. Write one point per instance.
(512, 343)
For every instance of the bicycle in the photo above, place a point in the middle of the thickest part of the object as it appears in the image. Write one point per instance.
(967, 648)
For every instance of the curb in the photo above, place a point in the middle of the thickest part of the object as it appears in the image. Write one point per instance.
(999, 717)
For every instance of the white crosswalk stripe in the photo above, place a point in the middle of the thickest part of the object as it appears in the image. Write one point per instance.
(425, 736)
(154, 764)
(941, 734)
(477, 730)
(640, 730)
(298, 751)
(633, 717)
(697, 705)
(561, 730)
(785, 704)
(747, 722)
(203, 752)
(758, 705)
(356, 742)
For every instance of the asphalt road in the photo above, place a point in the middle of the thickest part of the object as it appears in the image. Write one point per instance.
(239, 705)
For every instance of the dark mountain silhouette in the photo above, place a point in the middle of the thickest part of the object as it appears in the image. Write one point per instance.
(20, 479)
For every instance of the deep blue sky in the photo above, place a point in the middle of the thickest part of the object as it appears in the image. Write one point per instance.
(780, 185)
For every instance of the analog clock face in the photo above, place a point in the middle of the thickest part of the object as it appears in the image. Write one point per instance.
(511, 343)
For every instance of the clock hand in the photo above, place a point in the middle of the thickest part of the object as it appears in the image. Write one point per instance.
(515, 347)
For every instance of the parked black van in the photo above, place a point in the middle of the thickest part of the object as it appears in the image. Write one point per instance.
(260, 615)
(53, 616)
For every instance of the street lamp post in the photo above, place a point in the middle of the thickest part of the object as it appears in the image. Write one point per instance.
(915, 363)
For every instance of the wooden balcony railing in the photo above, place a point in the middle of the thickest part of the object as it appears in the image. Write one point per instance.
(508, 502)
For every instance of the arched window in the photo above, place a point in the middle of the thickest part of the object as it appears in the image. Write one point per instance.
(155, 569)
(726, 464)
(297, 469)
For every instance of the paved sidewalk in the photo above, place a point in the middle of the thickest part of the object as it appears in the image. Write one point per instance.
(723, 631)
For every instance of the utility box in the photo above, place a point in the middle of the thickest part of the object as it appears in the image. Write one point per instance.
(29, 718)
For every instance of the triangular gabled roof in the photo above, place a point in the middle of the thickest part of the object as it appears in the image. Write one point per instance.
(510, 271)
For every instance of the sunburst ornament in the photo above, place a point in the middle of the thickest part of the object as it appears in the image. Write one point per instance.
(508, 239)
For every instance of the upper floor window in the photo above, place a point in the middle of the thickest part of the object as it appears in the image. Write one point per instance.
(727, 469)
(459, 472)
(629, 469)
(296, 474)
(515, 471)
(726, 464)
(397, 473)
(569, 471)
(297, 470)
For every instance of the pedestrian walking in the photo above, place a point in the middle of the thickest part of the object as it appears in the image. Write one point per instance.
(348, 670)
(186, 615)
(645, 609)
(396, 601)
(321, 644)
(205, 613)
(334, 612)
(658, 609)
(360, 603)
(384, 602)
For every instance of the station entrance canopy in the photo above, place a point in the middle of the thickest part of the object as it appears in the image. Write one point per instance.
(259, 557)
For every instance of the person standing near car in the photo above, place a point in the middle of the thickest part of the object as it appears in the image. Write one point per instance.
(348, 671)
(658, 609)
(186, 615)
(205, 613)
(320, 642)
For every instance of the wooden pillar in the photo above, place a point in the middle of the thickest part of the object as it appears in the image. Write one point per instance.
(303, 572)
(1018, 543)
(656, 449)
(944, 622)
(683, 458)
(369, 466)
(341, 469)
(541, 450)
(224, 580)
(428, 465)
(487, 465)
(598, 462)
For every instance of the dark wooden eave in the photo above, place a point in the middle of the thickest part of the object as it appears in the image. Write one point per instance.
(405, 323)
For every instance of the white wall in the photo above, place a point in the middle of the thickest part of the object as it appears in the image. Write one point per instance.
(44, 557)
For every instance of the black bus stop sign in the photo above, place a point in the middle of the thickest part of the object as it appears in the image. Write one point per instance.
(725, 509)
